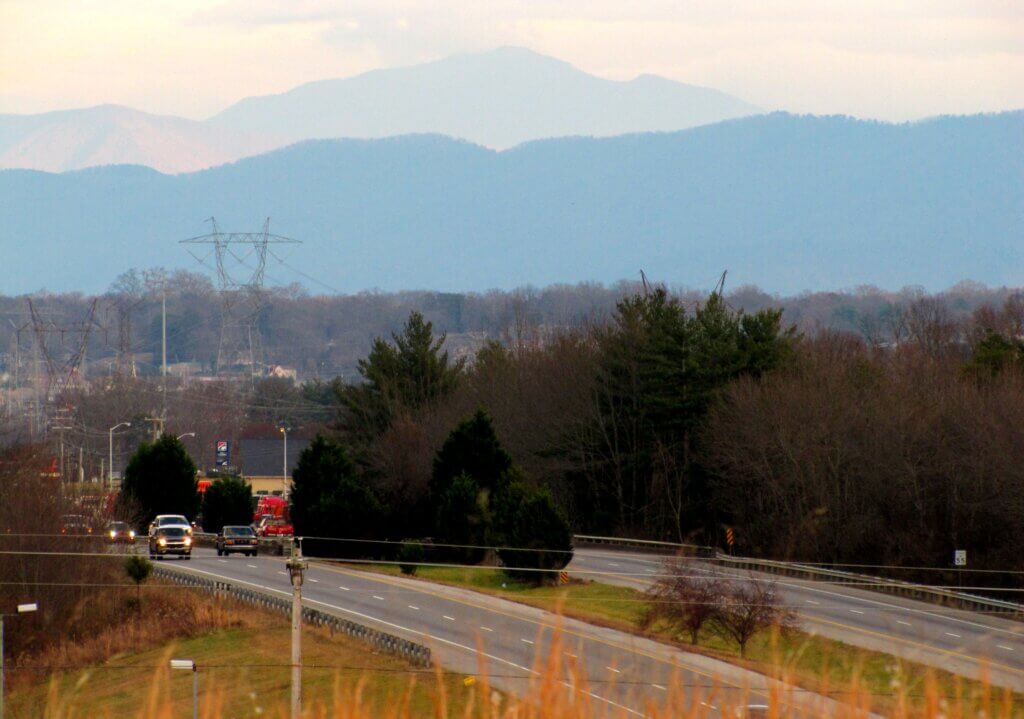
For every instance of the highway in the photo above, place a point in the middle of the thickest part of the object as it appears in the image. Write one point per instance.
(963, 642)
(618, 674)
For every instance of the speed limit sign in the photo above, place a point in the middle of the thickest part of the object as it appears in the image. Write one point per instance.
(960, 558)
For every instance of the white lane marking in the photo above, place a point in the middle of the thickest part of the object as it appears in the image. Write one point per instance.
(856, 611)
(474, 651)
(486, 629)
(251, 566)
(613, 669)
(526, 641)
(612, 564)
(810, 601)
(283, 573)
(658, 686)
(223, 561)
(314, 580)
(573, 656)
(413, 606)
(900, 621)
(344, 589)
(1003, 646)
(450, 619)
(380, 598)
(709, 706)
(950, 634)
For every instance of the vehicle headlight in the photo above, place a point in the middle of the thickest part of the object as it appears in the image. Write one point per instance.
(131, 533)
(162, 542)
(113, 533)
(188, 541)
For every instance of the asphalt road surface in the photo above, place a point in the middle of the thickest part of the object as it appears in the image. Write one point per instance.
(623, 674)
(963, 642)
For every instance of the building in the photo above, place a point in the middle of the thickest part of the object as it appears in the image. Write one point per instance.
(262, 462)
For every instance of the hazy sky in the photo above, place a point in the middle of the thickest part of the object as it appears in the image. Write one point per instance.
(870, 58)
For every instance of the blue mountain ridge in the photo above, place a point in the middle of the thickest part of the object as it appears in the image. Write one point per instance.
(783, 201)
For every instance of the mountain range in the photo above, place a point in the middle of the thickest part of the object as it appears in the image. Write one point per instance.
(496, 99)
(787, 202)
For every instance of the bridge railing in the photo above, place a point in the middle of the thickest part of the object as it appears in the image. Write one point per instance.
(415, 653)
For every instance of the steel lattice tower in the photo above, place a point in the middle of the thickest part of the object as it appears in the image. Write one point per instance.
(241, 263)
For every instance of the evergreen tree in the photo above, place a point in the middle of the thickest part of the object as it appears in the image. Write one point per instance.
(462, 520)
(472, 449)
(160, 479)
(330, 499)
(533, 534)
(227, 501)
(409, 373)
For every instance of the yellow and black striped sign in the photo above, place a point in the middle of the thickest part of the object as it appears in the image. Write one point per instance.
(563, 577)
(730, 538)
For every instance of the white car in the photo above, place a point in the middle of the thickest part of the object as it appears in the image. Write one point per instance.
(170, 520)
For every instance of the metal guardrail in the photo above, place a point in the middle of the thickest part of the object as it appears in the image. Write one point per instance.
(650, 545)
(417, 654)
(923, 592)
(935, 595)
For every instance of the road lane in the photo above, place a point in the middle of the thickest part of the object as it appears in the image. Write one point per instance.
(622, 672)
(963, 642)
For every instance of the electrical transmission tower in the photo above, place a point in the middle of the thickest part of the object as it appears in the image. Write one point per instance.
(241, 264)
(63, 364)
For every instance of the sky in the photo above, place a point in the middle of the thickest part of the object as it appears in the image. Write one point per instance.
(886, 59)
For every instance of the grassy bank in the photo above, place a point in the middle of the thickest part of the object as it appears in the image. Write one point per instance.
(242, 672)
(810, 661)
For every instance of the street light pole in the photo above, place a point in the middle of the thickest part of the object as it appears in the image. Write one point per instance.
(110, 468)
(187, 434)
(296, 568)
(284, 463)
(22, 609)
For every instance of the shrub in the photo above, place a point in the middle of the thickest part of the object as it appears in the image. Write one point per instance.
(533, 532)
(409, 556)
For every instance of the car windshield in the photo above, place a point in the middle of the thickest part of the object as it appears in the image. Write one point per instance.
(173, 532)
(237, 531)
(119, 526)
(172, 519)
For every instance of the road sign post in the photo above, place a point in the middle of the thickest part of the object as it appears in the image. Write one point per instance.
(960, 561)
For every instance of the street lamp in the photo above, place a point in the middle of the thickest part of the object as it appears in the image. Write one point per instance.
(296, 568)
(284, 464)
(110, 468)
(187, 434)
(22, 609)
(191, 666)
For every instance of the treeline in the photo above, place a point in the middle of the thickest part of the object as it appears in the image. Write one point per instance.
(323, 336)
(674, 422)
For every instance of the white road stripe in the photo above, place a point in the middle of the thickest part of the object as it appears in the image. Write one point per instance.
(1003, 646)
(487, 629)
(856, 611)
(474, 651)
(526, 641)
(810, 601)
(900, 621)
(950, 634)
(450, 619)
(613, 669)
(412, 606)
(344, 589)
(380, 598)
(283, 573)
(658, 686)
(223, 561)
(252, 566)
(314, 580)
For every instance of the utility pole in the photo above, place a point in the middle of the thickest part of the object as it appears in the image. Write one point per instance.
(163, 346)
(296, 568)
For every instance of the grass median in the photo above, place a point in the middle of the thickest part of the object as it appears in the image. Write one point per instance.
(798, 657)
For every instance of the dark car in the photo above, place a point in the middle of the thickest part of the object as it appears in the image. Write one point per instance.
(120, 533)
(170, 540)
(237, 538)
(75, 524)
